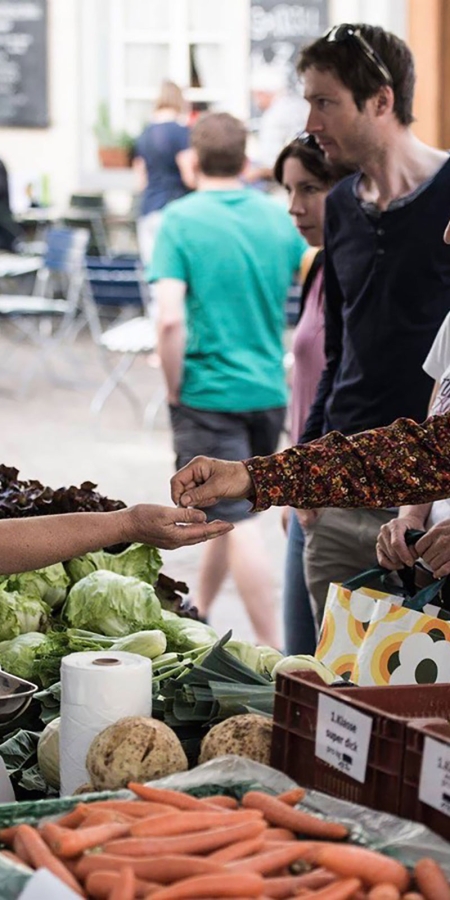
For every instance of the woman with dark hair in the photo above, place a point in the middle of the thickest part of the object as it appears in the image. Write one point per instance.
(303, 170)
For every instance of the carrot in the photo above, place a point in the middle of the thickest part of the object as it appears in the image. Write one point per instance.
(431, 880)
(137, 809)
(29, 845)
(272, 860)
(384, 892)
(340, 890)
(105, 816)
(163, 869)
(280, 834)
(188, 822)
(238, 850)
(100, 884)
(163, 795)
(213, 886)
(357, 862)
(7, 835)
(412, 895)
(12, 857)
(280, 814)
(292, 797)
(125, 886)
(222, 800)
(199, 842)
(74, 818)
(68, 843)
(286, 885)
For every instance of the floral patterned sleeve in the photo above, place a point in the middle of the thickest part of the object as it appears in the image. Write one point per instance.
(402, 463)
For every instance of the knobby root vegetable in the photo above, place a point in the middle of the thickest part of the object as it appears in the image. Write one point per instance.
(248, 735)
(283, 816)
(431, 880)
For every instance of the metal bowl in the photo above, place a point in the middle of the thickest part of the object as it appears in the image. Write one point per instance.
(15, 696)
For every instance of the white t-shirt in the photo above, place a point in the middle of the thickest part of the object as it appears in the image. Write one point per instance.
(437, 365)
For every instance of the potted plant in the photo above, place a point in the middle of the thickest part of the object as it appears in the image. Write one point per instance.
(114, 147)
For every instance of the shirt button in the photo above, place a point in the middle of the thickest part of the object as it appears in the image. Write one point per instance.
(380, 231)
(380, 251)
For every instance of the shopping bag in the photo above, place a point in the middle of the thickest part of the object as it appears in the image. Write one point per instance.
(373, 637)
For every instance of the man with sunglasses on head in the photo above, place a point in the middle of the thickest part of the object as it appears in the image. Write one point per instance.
(387, 272)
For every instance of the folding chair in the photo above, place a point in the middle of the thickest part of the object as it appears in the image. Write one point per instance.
(33, 316)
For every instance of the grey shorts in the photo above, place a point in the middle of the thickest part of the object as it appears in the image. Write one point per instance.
(229, 436)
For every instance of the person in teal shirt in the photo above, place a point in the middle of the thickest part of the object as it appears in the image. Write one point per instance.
(222, 265)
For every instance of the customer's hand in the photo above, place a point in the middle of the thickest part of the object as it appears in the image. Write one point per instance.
(392, 551)
(204, 481)
(169, 528)
(434, 548)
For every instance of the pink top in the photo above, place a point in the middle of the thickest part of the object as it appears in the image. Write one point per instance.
(309, 357)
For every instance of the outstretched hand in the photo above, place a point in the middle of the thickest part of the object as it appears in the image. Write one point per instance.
(204, 481)
(169, 528)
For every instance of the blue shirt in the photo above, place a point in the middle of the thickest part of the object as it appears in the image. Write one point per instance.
(158, 146)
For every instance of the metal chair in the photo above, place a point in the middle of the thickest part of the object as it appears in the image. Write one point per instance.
(60, 273)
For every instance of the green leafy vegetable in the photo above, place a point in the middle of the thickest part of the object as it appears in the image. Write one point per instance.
(19, 615)
(112, 604)
(261, 659)
(18, 656)
(186, 634)
(138, 561)
(49, 584)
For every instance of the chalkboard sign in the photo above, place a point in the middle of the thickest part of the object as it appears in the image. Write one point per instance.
(23, 63)
(279, 28)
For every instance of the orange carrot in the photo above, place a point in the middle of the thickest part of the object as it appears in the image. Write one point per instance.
(125, 886)
(292, 797)
(221, 800)
(286, 885)
(163, 869)
(137, 809)
(105, 816)
(68, 843)
(198, 842)
(340, 890)
(357, 862)
(280, 834)
(431, 880)
(74, 818)
(212, 886)
(29, 845)
(100, 884)
(12, 857)
(412, 895)
(188, 822)
(7, 835)
(163, 795)
(384, 892)
(280, 814)
(272, 860)
(238, 850)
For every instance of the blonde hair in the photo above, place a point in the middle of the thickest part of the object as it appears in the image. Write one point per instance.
(170, 97)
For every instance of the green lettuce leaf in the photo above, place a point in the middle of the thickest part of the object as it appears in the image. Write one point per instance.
(19, 614)
(138, 561)
(49, 584)
(18, 656)
(112, 604)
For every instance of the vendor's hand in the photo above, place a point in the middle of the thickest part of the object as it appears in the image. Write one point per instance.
(434, 549)
(169, 528)
(392, 551)
(204, 481)
(307, 517)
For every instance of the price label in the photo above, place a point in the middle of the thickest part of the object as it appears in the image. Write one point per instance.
(434, 785)
(343, 737)
(44, 884)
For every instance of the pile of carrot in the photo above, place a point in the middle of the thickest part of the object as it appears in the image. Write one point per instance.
(166, 845)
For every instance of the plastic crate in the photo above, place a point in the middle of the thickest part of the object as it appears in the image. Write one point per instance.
(294, 735)
(411, 806)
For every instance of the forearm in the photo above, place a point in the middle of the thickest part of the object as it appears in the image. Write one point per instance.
(404, 463)
(171, 345)
(27, 544)
(417, 512)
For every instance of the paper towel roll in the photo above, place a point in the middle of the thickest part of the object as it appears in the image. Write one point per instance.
(97, 689)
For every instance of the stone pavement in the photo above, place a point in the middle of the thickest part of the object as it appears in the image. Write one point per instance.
(51, 436)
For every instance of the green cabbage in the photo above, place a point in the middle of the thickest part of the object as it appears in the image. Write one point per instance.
(19, 614)
(48, 753)
(139, 561)
(302, 663)
(261, 659)
(49, 584)
(112, 604)
(19, 655)
(185, 634)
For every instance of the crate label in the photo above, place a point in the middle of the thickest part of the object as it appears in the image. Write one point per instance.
(44, 884)
(343, 737)
(434, 785)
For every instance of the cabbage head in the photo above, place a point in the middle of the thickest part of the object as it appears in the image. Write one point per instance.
(18, 656)
(50, 584)
(260, 658)
(304, 663)
(48, 753)
(185, 634)
(19, 614)
(138, 561)
(112, 604)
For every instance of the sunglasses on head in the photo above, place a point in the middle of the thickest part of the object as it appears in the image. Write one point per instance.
(341, 33)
